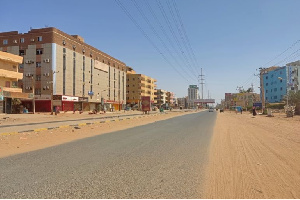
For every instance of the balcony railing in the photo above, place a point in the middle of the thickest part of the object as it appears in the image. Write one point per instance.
(10, 74)
(12, 89)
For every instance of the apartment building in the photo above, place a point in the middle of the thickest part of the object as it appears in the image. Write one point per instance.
(244, 100)
(171, 99)
(139, 85)
(161, 98)
(193, 94)
(9, 77)
(278, 81)
(68, 73)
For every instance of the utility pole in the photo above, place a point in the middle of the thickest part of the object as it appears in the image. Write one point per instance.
(33, 88)
(201, 83)
(262, 71)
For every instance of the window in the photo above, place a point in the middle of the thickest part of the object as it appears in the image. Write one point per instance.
(281, 81)
(275, 97)
(37, 91)
(267, 84)
(39, 38)
(5, 41)
(267, 77)
(39, 51)
(7, 83)
(281, 89)
(22, 40)
(64, 50)
(21, 66)
(38, 64)
(22, 52)
(38, 77)
(275, 89)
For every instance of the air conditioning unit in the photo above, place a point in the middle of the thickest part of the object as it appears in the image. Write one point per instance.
(64, 42)
(46, 60)
(32, 40)
(47, 87)
(44, 88)
(15, 41)
(28, 75)
(46, 74)
(28, 88)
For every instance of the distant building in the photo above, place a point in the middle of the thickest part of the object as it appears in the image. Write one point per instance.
(244, 100)
(182, 102)
(161, 98)
(139, 85)
(193, 94)
(79, 76)
(9, 76)
(277, 82)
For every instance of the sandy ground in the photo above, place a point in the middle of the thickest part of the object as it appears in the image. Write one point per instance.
(254, 157)
(24, 142)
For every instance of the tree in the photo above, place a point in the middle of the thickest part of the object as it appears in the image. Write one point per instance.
(294, 98)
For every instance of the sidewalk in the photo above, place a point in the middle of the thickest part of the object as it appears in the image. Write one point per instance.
(13, 123)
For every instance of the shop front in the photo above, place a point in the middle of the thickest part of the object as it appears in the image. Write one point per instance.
(11, 100)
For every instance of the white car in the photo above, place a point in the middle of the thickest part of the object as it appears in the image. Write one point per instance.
(210, 110)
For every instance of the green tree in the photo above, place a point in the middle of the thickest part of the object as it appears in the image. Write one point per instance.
(294, 98)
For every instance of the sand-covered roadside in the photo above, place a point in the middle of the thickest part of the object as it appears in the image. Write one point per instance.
(254, 157)
(29, 141)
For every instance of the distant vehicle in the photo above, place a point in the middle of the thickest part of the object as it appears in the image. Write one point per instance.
(210, 110)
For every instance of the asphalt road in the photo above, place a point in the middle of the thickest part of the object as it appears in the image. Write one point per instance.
(164, 159)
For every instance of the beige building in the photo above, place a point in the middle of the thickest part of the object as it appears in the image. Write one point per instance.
(139, 85)
(78, 75)
(161, 98)
(9, 76)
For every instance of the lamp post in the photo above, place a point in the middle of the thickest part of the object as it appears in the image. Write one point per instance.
(33, 87)
(52, 82)
(102, 101)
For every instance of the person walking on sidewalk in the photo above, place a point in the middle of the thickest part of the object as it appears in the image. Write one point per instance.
(253, 111)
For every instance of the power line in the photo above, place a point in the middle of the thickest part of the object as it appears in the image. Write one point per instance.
(281, 53)
(157, 35)
(162, 10)
(147, 37)
(185, 35)
(181, 35)
(164, 31)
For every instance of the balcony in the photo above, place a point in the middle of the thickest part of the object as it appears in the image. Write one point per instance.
(10, 74)
(12, 89)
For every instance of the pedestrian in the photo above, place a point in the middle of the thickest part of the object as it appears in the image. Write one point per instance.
(236, 111)
(253, 111)
(241, 110)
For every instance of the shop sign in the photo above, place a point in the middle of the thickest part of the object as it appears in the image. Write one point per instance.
(83, 99)
(68, 98)
(57, 97)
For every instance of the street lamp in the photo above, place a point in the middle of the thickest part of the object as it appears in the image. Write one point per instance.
(52, 73)
(102, 101)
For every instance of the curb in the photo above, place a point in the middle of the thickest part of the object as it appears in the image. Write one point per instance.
(73, 125)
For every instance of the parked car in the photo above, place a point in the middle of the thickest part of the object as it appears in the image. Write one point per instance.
(210, 110)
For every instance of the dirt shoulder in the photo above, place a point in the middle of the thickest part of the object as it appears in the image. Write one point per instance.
(254, 157)
(29, 141)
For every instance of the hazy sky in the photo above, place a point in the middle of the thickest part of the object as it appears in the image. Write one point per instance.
(172, 41)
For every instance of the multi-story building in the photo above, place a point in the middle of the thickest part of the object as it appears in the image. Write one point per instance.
(182, 102)
(193, 94)
(278, 81)
(243, 99)
(161, 98)
(139, 85)
(9, 76)
(66, 69)
(170, 99)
